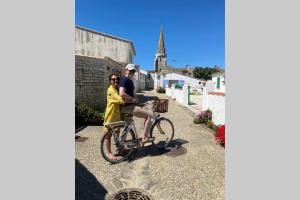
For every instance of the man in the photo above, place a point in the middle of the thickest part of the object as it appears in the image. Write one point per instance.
(126, 90)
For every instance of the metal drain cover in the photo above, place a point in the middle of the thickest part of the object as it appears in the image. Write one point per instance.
(131, 194)
(81, 139)
(177, 151)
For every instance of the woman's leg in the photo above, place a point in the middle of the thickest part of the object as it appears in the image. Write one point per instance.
(108, 146)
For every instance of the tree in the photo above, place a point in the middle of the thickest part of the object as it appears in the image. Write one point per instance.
(205, 72)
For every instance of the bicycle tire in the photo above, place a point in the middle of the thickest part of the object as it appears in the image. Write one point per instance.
(157, 132)
(123, 157)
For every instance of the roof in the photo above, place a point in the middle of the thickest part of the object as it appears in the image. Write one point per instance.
(150, 71)
(107, 35)
(221, 72)
(181, 75)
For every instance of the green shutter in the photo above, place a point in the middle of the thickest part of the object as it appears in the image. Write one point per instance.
(218, 82)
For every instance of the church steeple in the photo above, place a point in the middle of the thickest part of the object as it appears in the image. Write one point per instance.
(161, 43)
(160, 61)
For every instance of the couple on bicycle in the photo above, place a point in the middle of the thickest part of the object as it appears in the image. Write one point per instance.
(121, 91)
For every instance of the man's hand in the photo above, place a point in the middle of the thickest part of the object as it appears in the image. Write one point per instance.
(132, 101)
(135, 101)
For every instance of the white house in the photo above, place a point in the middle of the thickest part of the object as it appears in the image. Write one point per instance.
(218, 80)
(167, 79)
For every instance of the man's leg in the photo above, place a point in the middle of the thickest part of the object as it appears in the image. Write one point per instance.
(147, 115)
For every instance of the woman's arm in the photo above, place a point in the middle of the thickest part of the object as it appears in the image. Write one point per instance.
(114, 97)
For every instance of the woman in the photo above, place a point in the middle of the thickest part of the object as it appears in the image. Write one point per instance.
(112, 112)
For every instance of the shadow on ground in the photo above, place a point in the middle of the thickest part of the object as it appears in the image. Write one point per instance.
(151, 150)
(79, 128)
(144, 99)
(87, 186)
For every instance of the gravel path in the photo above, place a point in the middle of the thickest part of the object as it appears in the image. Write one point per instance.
(196, 172)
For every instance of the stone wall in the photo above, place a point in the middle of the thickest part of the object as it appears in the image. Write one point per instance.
(91, 79)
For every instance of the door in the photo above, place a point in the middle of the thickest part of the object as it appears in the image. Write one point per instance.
(218, 82)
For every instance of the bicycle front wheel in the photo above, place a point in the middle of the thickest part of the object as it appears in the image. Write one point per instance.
(163, 132)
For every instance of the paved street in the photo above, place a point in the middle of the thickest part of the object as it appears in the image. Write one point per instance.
(195, 170)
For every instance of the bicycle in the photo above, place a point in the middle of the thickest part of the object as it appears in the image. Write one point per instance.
(124, 137)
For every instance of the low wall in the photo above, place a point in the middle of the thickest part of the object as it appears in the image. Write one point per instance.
(180, 95)
(216, 103)
(169, 92)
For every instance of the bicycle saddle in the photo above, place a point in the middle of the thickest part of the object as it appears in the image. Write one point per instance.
(127, 114)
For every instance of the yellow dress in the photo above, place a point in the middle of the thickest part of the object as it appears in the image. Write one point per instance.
(112, 111)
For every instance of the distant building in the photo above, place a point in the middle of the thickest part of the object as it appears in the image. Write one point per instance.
(218, 79)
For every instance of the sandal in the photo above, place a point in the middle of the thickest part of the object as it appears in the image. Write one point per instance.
(146, 140)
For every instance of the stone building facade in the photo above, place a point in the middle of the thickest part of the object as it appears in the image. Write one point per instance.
(97, 55)
(91, 80)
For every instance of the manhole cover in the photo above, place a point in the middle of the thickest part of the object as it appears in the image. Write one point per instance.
(81, 139)
(178, 151)
(131, 194)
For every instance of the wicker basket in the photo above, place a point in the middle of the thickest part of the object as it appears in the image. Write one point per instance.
(161, 105)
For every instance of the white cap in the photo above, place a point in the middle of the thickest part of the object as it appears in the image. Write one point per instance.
(130, 66)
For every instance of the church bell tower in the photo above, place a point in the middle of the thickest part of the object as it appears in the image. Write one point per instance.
(160, 61)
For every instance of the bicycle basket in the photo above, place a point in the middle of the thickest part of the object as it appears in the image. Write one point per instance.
(161, 105)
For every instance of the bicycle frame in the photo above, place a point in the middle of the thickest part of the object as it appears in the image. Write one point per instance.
(119, 138)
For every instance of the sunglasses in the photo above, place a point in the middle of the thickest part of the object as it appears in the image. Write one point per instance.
(132, 71)
(115, 79)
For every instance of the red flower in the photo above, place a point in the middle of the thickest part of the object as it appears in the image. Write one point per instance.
(220, 135)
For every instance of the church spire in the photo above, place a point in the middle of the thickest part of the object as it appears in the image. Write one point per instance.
(161, 43)
(160, 61)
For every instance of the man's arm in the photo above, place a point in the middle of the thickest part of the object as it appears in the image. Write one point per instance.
(136, 98)
(123, 94)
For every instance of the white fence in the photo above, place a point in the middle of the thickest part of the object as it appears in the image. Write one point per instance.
(180, 95)
(216, 104)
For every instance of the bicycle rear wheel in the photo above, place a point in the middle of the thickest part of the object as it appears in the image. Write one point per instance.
(163, 132)
(120, 150)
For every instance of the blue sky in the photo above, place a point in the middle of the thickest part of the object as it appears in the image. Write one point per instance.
(193, 29)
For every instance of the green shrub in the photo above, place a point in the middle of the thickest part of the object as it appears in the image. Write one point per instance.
(211, 125)
(86, 115)
(197, 121)
(160, 90)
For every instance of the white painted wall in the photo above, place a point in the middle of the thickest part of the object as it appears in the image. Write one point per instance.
(178, 94)
(143, 79)
(158, 81)
(169, 92)
(222, 85)
(193, 82)
(216, 104)
(151, 82)
(91, 44)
